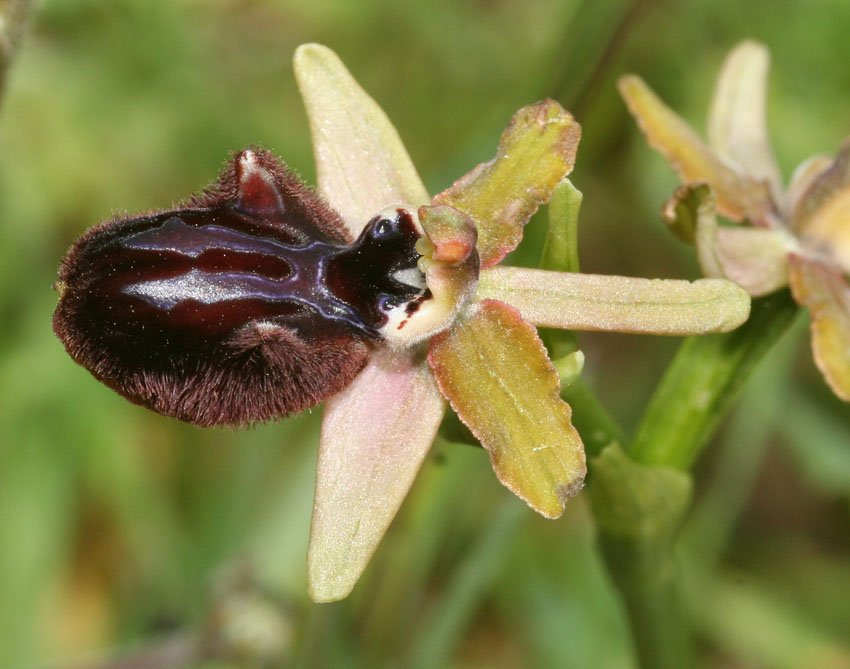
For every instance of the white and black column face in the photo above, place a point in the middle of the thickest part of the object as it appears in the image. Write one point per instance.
(245, 305)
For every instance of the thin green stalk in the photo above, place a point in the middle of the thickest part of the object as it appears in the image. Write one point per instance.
(701, 383)
(595, 425)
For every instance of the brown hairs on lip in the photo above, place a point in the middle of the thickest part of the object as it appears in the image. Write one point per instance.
(213, 362)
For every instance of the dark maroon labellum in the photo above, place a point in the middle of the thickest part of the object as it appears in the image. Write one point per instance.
(246, 304)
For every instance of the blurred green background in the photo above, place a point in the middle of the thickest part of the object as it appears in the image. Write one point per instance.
(119, 528)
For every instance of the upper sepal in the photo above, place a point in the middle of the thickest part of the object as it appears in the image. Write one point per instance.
(361, 163)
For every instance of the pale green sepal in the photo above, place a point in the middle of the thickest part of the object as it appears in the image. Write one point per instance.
(536, 151)
(737, 120)
(493, 369)
(617, 303)
(361, 163)
(739, 196)
(638, 507)
(375, 435)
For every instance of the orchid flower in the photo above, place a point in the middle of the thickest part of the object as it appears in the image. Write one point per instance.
(798, 237)
(473, 342)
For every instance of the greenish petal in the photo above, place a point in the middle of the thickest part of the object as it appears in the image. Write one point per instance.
(827, 295)
(493, 369)
(375, 435)
(361, 163)
(739, 196)
(617, 303)
(737, 121)
(536, 152)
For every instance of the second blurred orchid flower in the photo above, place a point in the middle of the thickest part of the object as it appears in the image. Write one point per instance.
(799, 236)
(473, 342)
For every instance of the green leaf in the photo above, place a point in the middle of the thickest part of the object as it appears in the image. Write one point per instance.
(560, 250)
(493, 369)
(560, 254)
(640, 505)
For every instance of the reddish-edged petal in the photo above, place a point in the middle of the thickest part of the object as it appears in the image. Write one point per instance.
(361, 163)
(536, 151)
(738, 196)
(617, 303)
(737, 122)
(493, 369)
(827, 295)
(375, 435)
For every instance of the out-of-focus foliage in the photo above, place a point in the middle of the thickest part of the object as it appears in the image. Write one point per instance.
(116, 524)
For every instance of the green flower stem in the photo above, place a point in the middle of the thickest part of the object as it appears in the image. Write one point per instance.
(702, 381)
(636, 536)
(595, 425)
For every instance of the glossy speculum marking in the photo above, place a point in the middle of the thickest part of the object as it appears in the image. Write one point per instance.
(245, 304)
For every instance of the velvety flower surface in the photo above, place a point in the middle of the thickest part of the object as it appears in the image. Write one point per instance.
(473, 343)
(799, 236)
